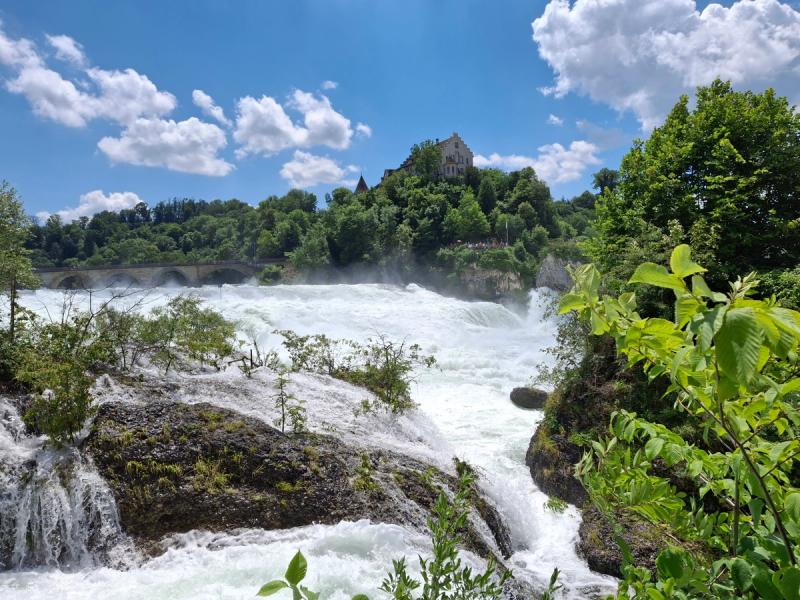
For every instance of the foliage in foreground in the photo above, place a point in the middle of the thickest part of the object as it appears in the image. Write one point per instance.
(382, 366)
(732, 362)
(443, 576)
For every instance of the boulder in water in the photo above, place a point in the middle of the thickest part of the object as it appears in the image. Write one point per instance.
(174, 467)
(529, 398)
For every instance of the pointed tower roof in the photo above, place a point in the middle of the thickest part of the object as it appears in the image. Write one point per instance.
(362, 186)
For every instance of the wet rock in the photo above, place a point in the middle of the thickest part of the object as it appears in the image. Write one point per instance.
(551, 458)
(175, 467)
(597, 541)
(529, 398)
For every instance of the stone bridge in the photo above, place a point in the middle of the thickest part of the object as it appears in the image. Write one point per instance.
(150, 275)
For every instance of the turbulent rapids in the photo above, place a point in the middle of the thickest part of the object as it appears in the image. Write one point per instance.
(56, 510)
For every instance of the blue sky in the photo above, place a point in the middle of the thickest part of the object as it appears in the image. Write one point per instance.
(78, 124)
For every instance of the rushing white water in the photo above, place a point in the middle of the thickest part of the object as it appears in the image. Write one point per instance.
(55, 510)
(483, 351)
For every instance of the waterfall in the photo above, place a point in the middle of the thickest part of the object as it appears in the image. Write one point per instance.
(55, 509)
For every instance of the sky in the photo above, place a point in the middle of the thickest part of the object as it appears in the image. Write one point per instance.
(104, 104)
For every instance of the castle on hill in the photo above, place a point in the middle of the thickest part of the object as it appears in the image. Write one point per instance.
(456, 157)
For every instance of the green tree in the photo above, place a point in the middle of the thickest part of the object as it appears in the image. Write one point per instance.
(16, 270)
(726, 171)
(605, 179)
(313, 253)
(426, 158)
(487, 197)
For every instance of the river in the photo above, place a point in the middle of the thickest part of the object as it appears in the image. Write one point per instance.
(483, 350)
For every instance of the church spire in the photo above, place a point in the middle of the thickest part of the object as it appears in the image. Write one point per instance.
(362, 186)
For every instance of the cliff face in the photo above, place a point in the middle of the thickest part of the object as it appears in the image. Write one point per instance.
(553, 274)
(489, 284)
(174, 467)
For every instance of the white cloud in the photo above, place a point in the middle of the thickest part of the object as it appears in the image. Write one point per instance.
(307, 170)
(363, 129)
(94, 202)
(120, 96)
(67, 49)
(264, 127)
(329, 85)
(189, 146)
(555, 120)
(640, 55)
(554, 164)
(209, 107)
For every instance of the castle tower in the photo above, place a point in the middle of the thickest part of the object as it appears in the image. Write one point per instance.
(362, 186)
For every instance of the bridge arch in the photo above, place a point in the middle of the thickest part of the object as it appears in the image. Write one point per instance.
(170, 277)
(72, 281)
(121, 279)
(229, 274)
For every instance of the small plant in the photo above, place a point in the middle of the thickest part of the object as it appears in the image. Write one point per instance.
(383, 367)
(556, 505)
(364, 481)
(291, 409)
(295, 573)
(444, 576)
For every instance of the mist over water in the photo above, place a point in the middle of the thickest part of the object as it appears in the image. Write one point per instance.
(483, 351)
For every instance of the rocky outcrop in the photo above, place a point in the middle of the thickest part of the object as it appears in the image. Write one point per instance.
(174, 467)
(489, 284)
(553, 274)
(597, 544)
(529, 398)
(551, 459)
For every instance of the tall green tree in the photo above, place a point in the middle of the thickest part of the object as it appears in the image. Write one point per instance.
(727, 172)
(15, 266)
(427, 160)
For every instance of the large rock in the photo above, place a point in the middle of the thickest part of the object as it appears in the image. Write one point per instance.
(598, 546)
(174, 467)
(551, 458)
(553, 274)
(530, 398)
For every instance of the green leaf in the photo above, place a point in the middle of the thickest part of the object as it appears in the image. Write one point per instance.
(700, 288)
(764, 586)
(653, 274)
(655, 594)
(681, 262)
(686, 306)
(792, 505)
(790, 583)
(296, 571)
(738, 344)
(670, 563)
(272, 587)
(309, 594)
(360, 597)
(570, 302)
(741, 573)
(653, 447)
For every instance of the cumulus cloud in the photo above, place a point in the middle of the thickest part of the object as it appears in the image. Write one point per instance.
(120, 96)
(94, 202)
(363, 129)
(307, 170)
(329, 85)
(264, 127)
(209, 107)
(67, 49)
(555, 120)
(640, 55)
(554, 163)
(189, 146)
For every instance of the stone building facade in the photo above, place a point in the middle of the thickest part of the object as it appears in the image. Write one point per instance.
(456, 157)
